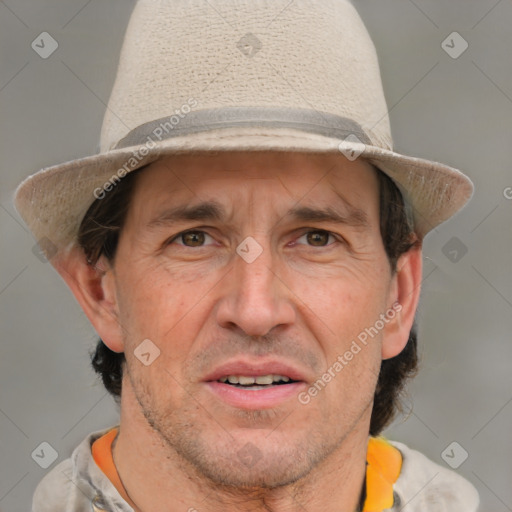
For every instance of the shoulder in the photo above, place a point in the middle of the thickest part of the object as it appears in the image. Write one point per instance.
(68, 486)
(52, 491)
(424, 485)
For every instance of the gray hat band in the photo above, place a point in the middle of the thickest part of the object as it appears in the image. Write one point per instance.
(186, 122)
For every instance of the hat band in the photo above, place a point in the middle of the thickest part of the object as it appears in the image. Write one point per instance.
(196, 121)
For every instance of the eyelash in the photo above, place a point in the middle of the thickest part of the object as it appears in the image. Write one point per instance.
(183, 233)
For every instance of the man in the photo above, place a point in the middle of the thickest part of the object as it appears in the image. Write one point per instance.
(248, 248)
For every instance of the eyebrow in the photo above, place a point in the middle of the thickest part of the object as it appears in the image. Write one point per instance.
(214, 211)
(354, 217)
(209, 210)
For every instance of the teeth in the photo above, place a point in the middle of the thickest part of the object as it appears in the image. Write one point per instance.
(246, 380)
(263, 379)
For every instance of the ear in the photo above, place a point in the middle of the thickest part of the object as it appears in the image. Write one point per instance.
(94, 287)
(404, 298)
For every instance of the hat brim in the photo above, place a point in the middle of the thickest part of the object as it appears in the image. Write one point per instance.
(54, 200)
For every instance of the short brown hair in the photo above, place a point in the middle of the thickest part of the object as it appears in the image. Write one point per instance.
(99, 234)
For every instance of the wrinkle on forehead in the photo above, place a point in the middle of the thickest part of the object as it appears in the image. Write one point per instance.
(179, 183)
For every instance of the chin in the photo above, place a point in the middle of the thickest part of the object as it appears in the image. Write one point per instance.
(248, 458)
(250, 466)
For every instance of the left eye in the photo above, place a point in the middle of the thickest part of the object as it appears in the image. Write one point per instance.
(318, 238)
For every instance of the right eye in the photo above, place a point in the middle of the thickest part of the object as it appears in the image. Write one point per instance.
(191, 238)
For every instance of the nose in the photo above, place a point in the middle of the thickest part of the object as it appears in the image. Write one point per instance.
(256, 299)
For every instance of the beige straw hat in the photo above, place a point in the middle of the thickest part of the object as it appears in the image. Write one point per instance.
(239, 75)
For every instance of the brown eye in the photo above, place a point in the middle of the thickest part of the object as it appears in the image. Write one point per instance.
(193, 238)
(318, 238)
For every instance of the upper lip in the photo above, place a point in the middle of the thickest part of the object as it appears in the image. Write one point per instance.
(256, 368)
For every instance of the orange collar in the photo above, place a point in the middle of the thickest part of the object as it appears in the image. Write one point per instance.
(102, 454)
(384, 463)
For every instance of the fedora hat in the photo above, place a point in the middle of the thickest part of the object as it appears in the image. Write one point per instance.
(244, 75)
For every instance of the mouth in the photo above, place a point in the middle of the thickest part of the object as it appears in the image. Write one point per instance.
(256, 383)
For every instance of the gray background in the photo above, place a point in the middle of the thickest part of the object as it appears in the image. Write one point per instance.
(457, 111)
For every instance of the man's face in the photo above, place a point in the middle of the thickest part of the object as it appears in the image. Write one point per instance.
(259, 286)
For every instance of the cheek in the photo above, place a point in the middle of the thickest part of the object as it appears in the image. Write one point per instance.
(341, 307)
(159, 311)
(155, 305)
(345, 392)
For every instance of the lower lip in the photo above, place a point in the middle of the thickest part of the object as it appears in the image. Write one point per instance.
(255, 398)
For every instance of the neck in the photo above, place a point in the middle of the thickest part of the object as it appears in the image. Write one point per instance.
(154, 475)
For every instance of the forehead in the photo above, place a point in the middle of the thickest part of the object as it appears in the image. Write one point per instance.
(284, 180)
